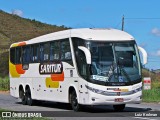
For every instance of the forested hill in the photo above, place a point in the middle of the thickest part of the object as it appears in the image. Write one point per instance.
(14, 28)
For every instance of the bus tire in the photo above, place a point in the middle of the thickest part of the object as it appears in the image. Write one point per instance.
(22, 97)
(74, 101)
(119, 108)
(29, 97)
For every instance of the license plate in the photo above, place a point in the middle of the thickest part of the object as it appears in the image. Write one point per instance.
(119, 99)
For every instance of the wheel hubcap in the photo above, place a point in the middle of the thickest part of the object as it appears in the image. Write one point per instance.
(74, 100)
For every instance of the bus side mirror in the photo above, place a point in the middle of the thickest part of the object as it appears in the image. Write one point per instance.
(144, 54)
(87, 54)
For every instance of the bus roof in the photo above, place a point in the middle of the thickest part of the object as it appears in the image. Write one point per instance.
(85, 33)
(101, 34)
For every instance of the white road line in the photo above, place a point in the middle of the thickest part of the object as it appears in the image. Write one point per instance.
(144, 118)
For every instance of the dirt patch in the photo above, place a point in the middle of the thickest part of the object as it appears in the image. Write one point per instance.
(4, 92)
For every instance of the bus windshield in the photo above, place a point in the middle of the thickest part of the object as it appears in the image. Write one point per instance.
(112, 63)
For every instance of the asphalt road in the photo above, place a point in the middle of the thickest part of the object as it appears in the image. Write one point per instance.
(58, 111)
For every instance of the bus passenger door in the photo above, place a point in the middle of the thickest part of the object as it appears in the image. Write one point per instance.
(83, 91)
(83, 75)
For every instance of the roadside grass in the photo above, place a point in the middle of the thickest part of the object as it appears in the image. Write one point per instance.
(155, 85)
(4, 110)
(152, 95)
(4, 83)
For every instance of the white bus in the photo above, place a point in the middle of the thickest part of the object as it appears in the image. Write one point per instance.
(78, 66)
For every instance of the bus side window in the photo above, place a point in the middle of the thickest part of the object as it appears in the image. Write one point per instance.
(82, 65)
(31, 54)
(12, 55)
(80, 57)
(25, 54)
(54, 50)
(51, 51)
(41, 52)
(46, 51)
(18, 55)
(35, 53)
(65, 50)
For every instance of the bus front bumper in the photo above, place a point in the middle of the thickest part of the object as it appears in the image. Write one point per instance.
(114, 100)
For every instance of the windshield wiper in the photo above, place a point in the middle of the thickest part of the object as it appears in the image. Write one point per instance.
(125, 73)
(110, 72)
(121, 63)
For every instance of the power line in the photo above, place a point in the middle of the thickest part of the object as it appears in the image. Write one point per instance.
(153, 61)
(144, 18)
(119, 23)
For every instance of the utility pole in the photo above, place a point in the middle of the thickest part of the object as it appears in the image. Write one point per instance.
(123, 23)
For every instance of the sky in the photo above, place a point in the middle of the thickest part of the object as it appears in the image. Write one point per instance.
(142, 18)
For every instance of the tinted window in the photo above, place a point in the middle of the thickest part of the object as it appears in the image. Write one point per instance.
(35, 53)
(60, 50)
(44, 52)
(12, 55)
(80, 57)
(25, 54)
(65, 50)
(54, 51)
(18, 55)
(41, 52)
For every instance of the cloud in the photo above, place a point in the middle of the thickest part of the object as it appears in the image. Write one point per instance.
(155, 31)
(157, 53)
(143, 45)
(17, 12)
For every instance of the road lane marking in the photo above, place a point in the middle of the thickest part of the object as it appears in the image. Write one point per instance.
(144, 118)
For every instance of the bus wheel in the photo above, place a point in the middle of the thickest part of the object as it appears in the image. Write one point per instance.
(119, 108)
(22, 97)
(28, 97)
(74, 101)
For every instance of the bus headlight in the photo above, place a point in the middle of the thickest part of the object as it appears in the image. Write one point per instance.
(137, 90)
(94, 90)
(107, 93)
